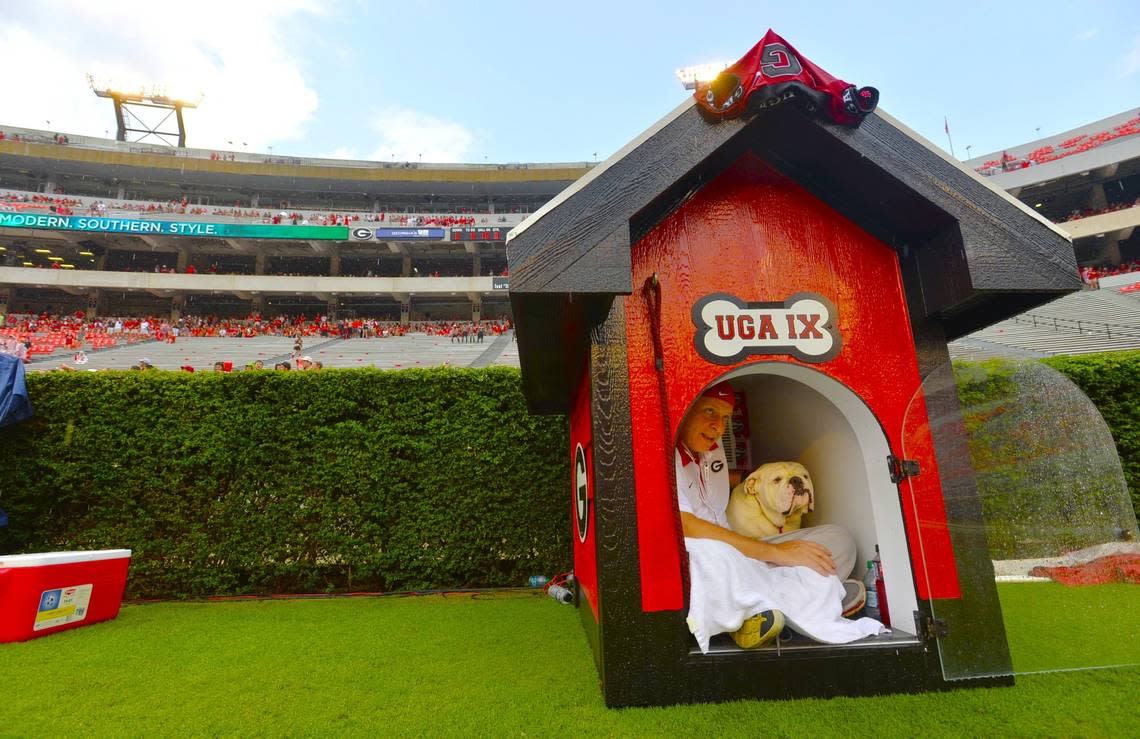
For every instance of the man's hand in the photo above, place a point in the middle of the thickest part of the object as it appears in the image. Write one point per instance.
(806, 553)
(788, 553)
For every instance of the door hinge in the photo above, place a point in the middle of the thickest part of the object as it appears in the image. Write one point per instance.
(901, 469)
(930, 627)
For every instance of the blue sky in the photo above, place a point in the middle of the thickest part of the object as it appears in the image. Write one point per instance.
(541, 82)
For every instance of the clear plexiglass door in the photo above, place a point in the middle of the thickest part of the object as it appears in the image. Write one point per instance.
(1039, 517)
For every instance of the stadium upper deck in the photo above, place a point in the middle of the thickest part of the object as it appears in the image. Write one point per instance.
(1087, 180)
(148, 230)
(107, 168)
(113, 228)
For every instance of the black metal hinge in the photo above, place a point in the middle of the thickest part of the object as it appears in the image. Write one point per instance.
(929, 627)
(901, 468)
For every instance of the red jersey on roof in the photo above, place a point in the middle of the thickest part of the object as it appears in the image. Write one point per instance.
(773, 72)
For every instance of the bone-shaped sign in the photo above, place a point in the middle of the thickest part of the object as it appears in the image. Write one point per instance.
(729, 329)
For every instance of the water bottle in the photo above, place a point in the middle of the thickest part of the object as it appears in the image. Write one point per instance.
(881, 590)
(537, 581)
(871, 606)
(560, 594)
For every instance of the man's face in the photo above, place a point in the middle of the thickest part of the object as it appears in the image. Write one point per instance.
(704, 424)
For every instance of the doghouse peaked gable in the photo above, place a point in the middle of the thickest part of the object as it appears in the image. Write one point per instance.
(980, 255)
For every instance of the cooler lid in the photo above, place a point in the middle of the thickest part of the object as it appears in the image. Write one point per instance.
(61, 558)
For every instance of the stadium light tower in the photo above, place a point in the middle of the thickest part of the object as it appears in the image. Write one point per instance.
(129, 97)
(690, 76)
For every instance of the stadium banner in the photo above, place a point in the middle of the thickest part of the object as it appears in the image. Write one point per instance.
(172, 228)
(479, 234)
(397, 234)
(500, 283)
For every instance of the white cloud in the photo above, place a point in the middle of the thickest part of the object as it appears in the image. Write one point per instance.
(234, 52)
(1086, 34)
(410, 136)
(1131, 61)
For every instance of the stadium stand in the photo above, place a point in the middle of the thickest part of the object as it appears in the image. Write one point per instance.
(106, 228)
(1072, 145)
(59, 203)
(1088, 181)
(1082, 323)
(48, 342)
(420, 246)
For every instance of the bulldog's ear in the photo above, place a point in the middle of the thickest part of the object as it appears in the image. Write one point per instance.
(750, 486)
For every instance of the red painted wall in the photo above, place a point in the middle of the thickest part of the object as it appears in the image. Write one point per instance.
(585, 552)
(757, 235)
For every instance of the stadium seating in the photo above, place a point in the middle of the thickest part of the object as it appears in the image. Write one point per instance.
(61, 204)
(1074, 145)
(1081, 323)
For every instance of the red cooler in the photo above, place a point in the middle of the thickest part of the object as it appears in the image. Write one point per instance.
(44, 593)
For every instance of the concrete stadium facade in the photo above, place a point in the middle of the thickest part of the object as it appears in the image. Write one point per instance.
(392, 273)
(415, 241)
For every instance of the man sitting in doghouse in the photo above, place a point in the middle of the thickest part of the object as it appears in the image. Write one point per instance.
(752, 587)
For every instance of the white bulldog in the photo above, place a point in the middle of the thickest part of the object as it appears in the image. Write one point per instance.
(772, 500)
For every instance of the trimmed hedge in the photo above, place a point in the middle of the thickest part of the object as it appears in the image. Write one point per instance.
(256, 482)
(1112, 382)
(340, 480)
(1048, 470)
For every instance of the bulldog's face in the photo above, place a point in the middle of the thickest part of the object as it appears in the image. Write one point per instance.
(782, 489)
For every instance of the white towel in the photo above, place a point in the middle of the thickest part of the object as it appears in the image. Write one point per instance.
(727, 587)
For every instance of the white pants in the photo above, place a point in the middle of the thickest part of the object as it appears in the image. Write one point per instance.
(835, 538)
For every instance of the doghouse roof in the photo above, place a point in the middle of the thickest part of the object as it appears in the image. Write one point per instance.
(982, 256)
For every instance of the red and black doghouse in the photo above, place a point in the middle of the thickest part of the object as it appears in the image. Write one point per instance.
(820, 268)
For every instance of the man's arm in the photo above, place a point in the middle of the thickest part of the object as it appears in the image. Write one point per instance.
(806, 553)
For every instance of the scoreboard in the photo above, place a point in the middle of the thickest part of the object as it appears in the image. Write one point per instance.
(479, 234)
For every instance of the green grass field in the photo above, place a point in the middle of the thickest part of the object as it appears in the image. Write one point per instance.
(515, 666)
(1053, 627)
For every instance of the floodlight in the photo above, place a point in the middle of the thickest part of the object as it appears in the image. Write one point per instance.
(43, 251)
(55, 259)
(690, 76)
(29, 264)
(126, 96)
(67, 266)
(86, 253)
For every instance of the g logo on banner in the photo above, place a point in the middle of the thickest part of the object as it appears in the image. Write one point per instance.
(364, 234)
(776, 60)
(581, 493)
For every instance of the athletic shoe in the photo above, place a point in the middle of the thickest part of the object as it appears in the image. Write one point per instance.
(854, 597)
(759, 630)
